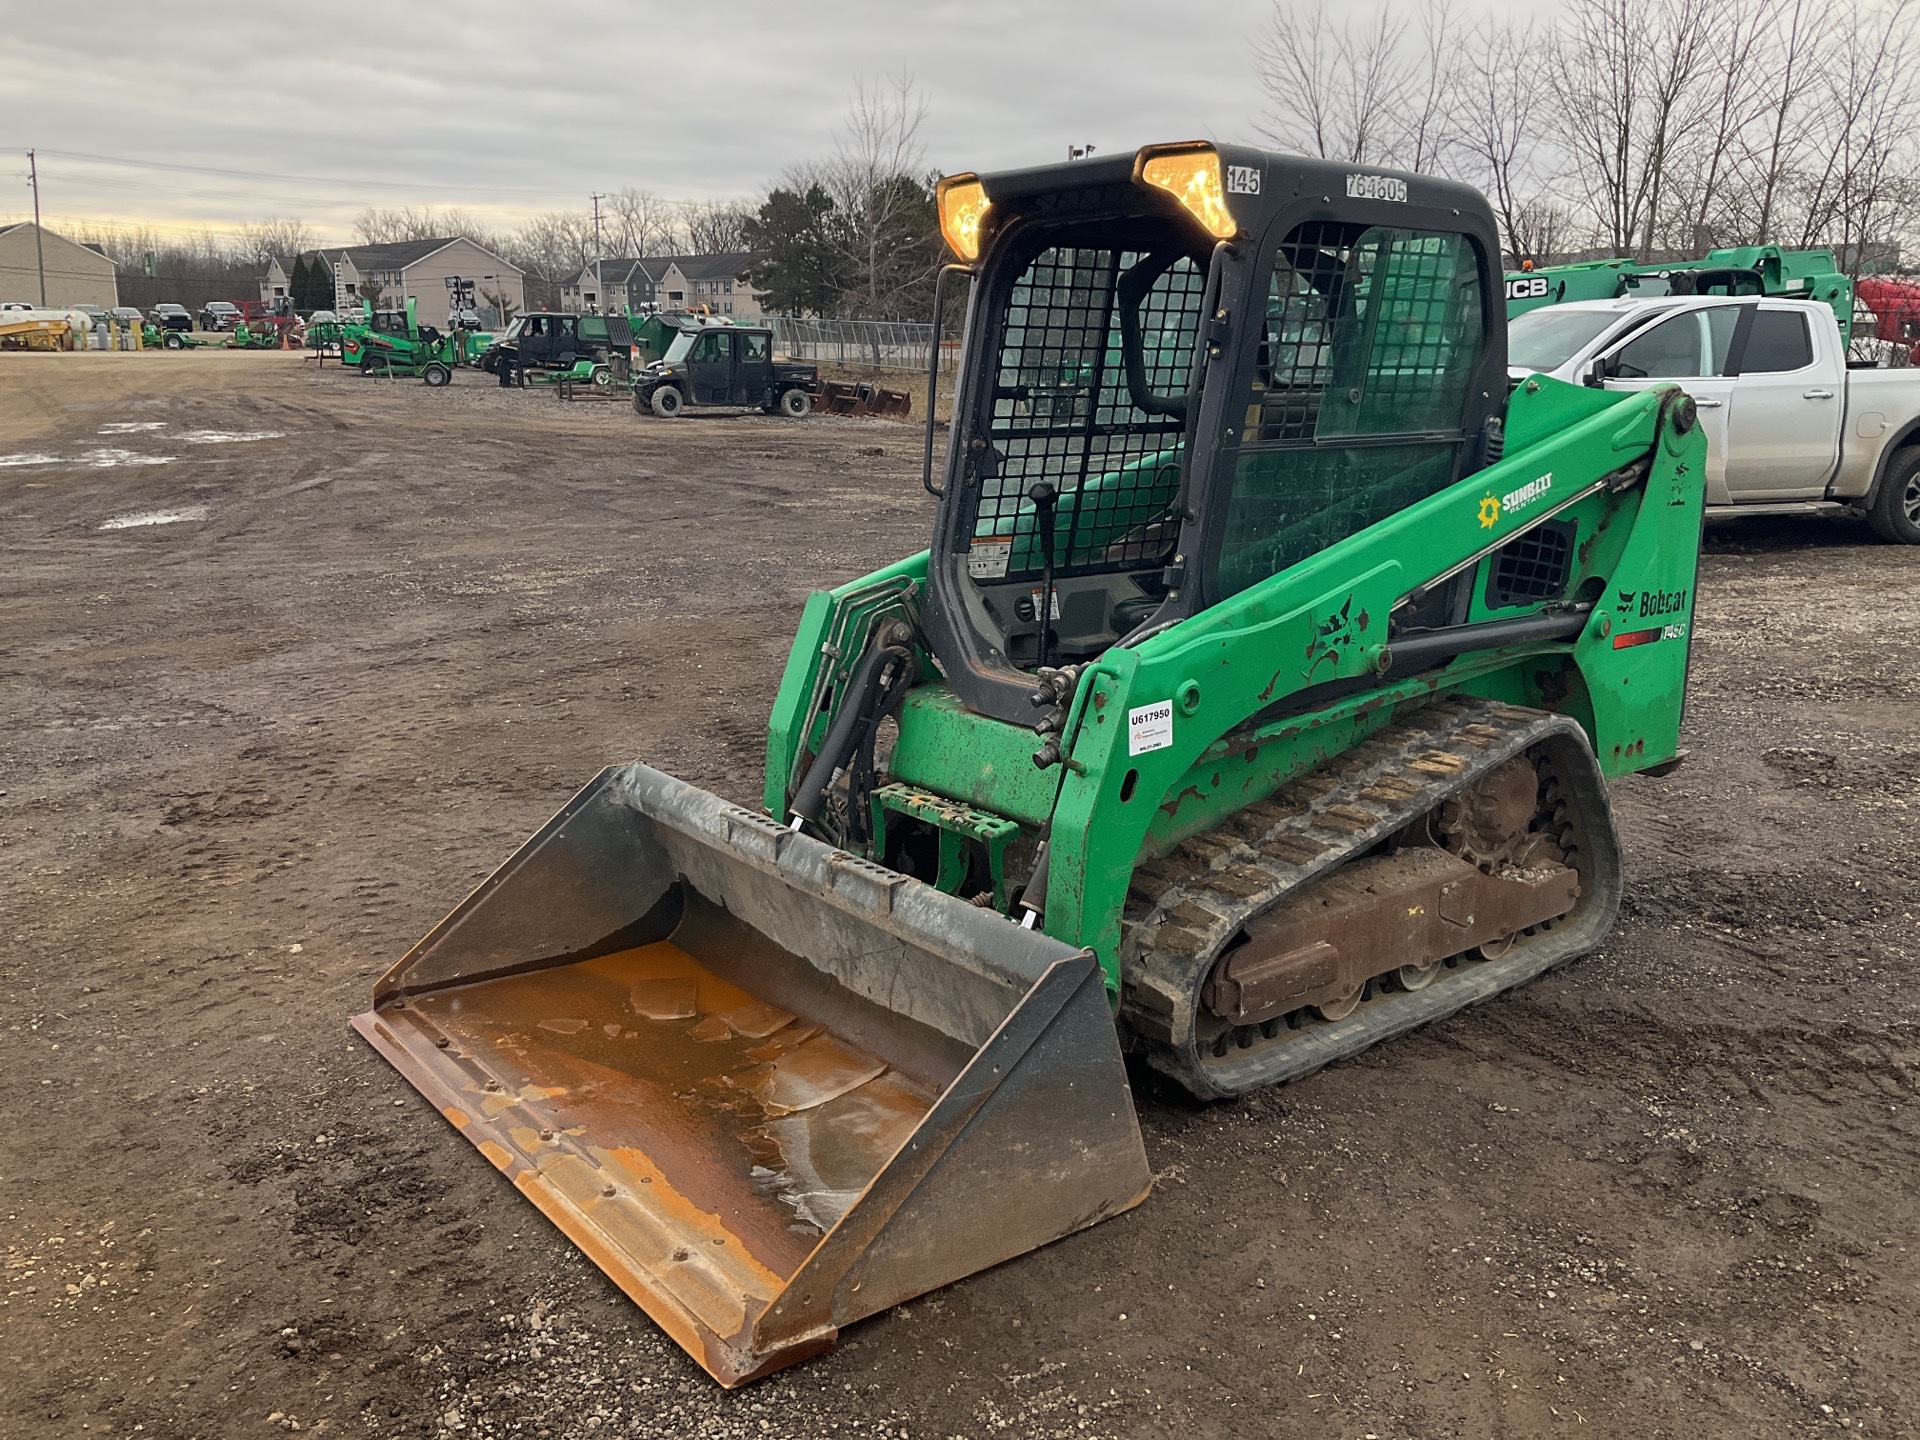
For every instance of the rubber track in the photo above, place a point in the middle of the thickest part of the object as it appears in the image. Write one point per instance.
(1185, 907)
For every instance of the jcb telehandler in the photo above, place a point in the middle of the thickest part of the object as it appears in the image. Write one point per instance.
(1253, 703)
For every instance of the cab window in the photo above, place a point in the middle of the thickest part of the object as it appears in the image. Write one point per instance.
(709, 349)
(759, 348)
(1359, 393)
(1667, 351)
(1778, 341)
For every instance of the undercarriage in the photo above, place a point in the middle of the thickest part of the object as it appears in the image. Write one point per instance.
(1462, 850)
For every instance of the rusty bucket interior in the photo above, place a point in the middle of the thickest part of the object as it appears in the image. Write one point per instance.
(768, 1087)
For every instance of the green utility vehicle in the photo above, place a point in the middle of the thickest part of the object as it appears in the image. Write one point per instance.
(720, 363)
(1254, 703)
(548, 345)
(394, 342)
(1747, 270)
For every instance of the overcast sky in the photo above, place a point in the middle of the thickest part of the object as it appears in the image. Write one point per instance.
(332, 107)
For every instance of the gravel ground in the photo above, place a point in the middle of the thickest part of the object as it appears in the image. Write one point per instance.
(294, 659)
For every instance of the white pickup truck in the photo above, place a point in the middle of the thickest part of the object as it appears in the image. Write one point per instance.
(1791, 428)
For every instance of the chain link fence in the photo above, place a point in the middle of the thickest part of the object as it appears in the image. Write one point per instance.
(854, 344)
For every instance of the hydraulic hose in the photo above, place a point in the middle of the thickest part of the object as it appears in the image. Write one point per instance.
(884, 670)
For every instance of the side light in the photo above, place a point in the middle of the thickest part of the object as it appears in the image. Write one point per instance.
(963, 205)
(1191, 174)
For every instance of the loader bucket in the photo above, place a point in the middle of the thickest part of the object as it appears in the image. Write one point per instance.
(770, 1088)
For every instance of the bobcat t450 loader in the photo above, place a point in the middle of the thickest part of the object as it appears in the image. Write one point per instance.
(1253, 703)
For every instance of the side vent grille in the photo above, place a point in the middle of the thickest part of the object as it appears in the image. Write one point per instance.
(1532, 567)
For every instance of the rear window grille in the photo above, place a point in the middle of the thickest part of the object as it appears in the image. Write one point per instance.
(1062, 411)
(1532, 567)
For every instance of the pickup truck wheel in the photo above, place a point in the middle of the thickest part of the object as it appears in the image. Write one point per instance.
(1895, 513)
(796, 404)
(666, 402)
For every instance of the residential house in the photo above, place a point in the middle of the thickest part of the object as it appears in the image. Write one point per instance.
(723, 284)
(76, 274)
(388, 274)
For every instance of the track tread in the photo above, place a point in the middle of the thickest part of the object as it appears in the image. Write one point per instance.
(1186, 906)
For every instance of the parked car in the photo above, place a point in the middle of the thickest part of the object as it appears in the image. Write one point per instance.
(169, 316)
(323, 317)
(1791, 427)
(15, 305)
(127, 314)
(219, 315)
(95, 313)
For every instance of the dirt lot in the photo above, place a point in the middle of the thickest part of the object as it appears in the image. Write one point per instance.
(249, 756)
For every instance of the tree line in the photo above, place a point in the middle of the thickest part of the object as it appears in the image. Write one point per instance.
(852, 234)
(1647, 128)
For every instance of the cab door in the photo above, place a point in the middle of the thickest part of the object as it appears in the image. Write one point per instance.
(710, 367)
(534, 345)
(753, 368)
(1690, 349)
(566, 338)
(1785, 415)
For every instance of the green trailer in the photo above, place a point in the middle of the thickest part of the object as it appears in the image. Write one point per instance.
(1746, 270)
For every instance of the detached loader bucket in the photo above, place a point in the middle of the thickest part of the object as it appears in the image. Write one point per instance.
(768, 1087)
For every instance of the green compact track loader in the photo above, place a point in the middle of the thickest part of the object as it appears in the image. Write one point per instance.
(1254, 702)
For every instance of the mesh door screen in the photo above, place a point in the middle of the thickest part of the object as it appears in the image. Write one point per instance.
(1369, 332)
(1062, 410)
(1359, 391)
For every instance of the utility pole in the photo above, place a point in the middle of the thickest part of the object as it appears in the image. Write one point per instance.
(39, 251)
(599, 285)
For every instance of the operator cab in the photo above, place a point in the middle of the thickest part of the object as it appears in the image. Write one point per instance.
(1175, 389)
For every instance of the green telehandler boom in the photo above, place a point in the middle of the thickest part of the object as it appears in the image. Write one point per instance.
(1745, 270)
(1253, 703)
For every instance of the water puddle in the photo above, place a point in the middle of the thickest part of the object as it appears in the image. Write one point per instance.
(101, 457)
(131, 427)
(155, 517)
(105, 458)
(228, 437)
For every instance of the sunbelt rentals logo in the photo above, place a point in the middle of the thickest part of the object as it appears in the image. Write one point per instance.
(1493, 506)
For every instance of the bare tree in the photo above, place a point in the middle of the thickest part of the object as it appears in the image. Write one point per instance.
(1499, 117)
(1333, 87)
(425, 222)
(1866, 105)
(551, 248)
(712, 227)
(877, 178)
(260, 242)
(1624, 74)
(643, 223)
